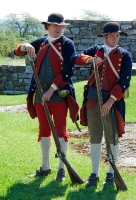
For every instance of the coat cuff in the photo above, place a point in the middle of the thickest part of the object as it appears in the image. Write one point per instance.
(117, 92)
(18, 52)
(54, 86)
(82, 59)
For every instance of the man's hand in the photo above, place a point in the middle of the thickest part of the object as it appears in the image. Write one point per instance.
(47, 95)
(88, 61)
(107, 106)
(29, 48)
(98, 60)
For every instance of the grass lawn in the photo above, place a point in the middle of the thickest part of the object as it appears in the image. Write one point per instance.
(20, 156)
(10, 61)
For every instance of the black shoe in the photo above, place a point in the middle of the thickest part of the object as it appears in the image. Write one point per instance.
(109, 179)
(60, 175)
(40, 173)
(92, 180)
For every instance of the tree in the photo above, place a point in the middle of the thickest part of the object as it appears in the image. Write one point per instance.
(93, 15)
(24, 24)
(17, 29)
(8, 39)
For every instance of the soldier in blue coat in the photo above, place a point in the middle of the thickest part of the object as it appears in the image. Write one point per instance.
(54, 71)
(114, 79)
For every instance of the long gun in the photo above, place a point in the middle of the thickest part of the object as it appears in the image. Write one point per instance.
(118, 179)
(73, 175)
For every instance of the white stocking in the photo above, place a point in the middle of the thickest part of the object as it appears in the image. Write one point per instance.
(45, 148)
(64, 146)
(115, 152)
(95, 151)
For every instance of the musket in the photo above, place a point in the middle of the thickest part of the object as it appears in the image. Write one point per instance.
(120, 184)
(75, 178)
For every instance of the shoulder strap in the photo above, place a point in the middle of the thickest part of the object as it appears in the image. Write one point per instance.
(103, 62)
(59, 54)
(112, 67)
(42, 48)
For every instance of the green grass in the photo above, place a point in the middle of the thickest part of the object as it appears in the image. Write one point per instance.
(12, 61)
(11, 100)
(131, 102)
(20, 155)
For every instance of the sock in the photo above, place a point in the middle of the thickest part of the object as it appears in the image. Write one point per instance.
(95, 151)
(45, 148)
(64, 146)
(115, 152)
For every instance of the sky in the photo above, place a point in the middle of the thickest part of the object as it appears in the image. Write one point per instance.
(118, 10)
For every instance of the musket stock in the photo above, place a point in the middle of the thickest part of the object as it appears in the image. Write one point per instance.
(120, 184)
(75, 178)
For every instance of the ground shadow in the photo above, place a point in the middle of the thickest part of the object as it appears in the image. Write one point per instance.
(33, 191)
(108, 193)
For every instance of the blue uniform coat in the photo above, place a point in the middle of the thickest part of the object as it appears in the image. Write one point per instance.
(63, 70)
(122, 62)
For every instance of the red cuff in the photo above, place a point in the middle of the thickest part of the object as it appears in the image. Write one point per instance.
(58, 81)
(82, 59)
(117, 92)
(18, 52)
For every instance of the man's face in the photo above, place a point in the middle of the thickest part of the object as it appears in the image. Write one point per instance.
(112, 39)
(55, 30)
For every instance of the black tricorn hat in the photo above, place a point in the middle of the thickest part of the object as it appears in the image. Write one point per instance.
(111, 27)
(55, 18)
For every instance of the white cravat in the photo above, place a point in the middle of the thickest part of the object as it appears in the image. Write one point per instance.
(51, 38)
(108, 48)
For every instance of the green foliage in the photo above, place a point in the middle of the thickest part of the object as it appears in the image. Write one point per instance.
(24, 24)
(93, 15)
(16, 29)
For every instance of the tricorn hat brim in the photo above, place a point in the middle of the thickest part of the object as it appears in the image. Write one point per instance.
(60, 24)
(121, 33)
(111, 27)
(55, 18)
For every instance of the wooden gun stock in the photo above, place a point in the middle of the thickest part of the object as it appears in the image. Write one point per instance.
(73, 175)
(120, 184)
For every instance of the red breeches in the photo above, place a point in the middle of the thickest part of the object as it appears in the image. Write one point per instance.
(58, 112)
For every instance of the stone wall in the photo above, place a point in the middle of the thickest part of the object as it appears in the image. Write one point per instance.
(16, 79)
(83, 73)
(85, 33)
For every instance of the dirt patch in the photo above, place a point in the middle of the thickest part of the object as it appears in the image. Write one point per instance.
(127, 156)
(17, 108)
